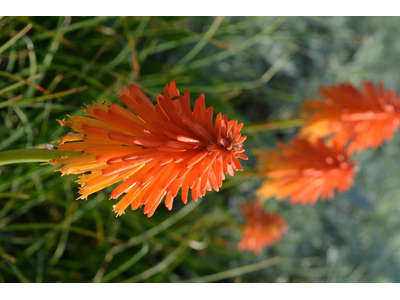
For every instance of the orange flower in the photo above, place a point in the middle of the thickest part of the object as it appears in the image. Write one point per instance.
(262, 228)
(305, 171)
(156, 152)
(348, 116)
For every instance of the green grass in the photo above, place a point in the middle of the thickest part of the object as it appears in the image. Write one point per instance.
(258, 70)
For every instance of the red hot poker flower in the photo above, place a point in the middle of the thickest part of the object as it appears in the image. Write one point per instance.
(155, 151)
(305, 171)
(360, 119)
(261, 229)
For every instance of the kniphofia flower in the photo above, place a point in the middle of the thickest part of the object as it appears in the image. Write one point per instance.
(347, 116)
(305, 171)
(155, 151)
(262, 228)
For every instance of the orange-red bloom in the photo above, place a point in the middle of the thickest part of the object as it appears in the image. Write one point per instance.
(305, 171)
(359, 119)
(156, 152)
(261, 229)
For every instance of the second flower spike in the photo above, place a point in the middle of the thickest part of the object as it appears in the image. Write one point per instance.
(305, 171)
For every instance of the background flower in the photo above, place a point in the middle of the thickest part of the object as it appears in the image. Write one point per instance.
(347, 116)
(262, 228)
(305, 171)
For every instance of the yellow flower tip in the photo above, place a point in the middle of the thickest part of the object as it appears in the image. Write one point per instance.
(119, 213)
(79, 182)
(62, 170)
(62, 122)
(82, 197)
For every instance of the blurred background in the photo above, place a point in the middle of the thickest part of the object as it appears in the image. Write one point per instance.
(257, 70)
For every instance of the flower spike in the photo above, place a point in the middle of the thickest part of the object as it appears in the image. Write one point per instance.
(262, 228)
(155, 151)
(353, 118)
(305, 171)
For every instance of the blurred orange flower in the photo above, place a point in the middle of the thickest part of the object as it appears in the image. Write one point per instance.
(305, 171)
(156, 152)
(350, 117)
(261, 229)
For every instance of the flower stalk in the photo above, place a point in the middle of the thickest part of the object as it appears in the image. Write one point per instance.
(267, 126)
(33, 155)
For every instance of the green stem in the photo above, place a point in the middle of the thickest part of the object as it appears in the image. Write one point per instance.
(33, 155)
(15, 38)
(11, 262)
(272, 125)
(238, 271)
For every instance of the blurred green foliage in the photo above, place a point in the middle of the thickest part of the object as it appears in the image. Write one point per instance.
(255, 69)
